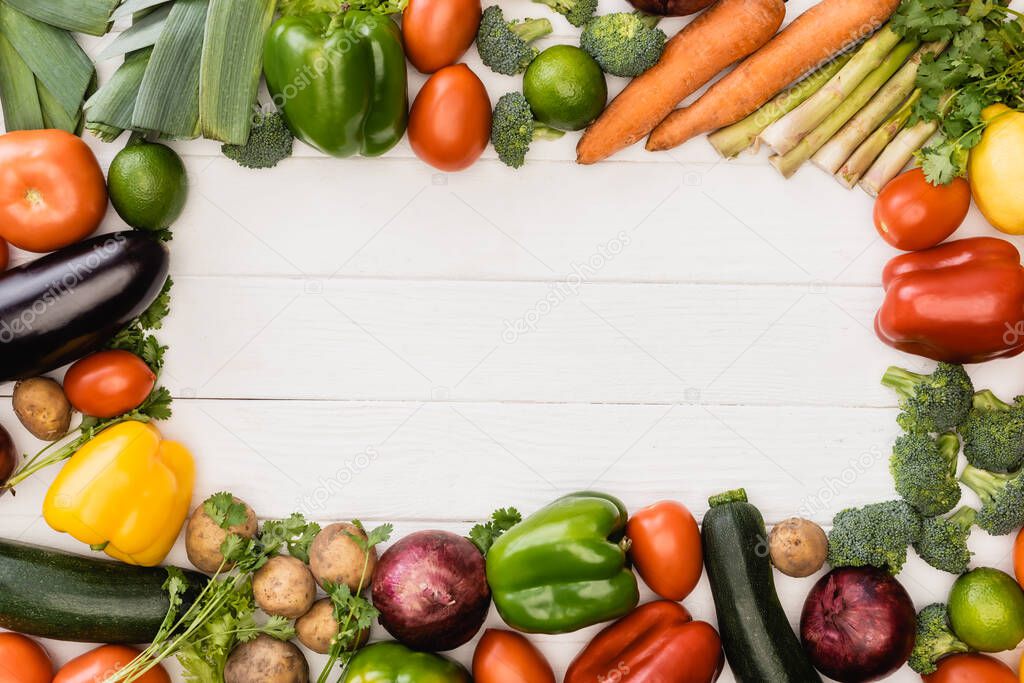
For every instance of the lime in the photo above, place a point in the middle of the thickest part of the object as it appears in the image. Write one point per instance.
(148, 185)
(986, 610)
(565, 87)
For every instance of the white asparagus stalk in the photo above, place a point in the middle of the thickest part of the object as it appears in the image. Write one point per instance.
(783, 135)
(859, 162)
(895, 156)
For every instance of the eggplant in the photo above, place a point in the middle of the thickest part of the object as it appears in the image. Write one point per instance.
(70, 303)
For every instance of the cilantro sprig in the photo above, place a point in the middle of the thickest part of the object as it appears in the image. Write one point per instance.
(484, 535)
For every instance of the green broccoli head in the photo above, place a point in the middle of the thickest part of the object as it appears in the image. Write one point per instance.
(994, 433)
(943, 542)
(513, 129)
(1002, 498)
(934, 640)
(504, 46)
(624, 44)
(270, 141)
(924, 470)
(578, 12)
(875, 535)
(938, 402)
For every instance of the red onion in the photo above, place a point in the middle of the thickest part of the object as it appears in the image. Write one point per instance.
(431, 590)
(858, 624)
(8, 457)
(672, 8)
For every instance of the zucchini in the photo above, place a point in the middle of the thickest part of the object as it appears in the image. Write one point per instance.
(51, 594)
(758, 638)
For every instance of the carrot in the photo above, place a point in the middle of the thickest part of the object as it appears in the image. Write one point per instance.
(728, 31)
(817, 35)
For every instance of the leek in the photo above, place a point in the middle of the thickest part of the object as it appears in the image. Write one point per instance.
(859, 162)
(108, 113)
(81, 16)
(54, 115)
(895, 156)
(22, 110)
(141, 34)
(130, 7)
(732, 140)
(786, 133)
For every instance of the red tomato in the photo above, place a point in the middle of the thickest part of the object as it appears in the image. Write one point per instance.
(507, 657)
(438, 32)
(52, 191)
(912, 214)
(23, 660)
(95, 666)
(5, 255)
(450, 121)
(666, 548)
(108, 383)
(971, 668)
(1018, 557)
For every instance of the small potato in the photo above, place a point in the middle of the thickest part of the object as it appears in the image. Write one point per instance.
(42, 407)
(266, 660)
(317, 628)
(798, 547)
(336, 558)
(284, 587)
(203, 537)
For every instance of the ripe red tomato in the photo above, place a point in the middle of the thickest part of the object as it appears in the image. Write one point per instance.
(95, 666)
(52, 191)
(438, 32)
(971, 668)
(450, 121)
(5, 255)
(507, 657)
(912, 214)
(23, 660)
(666, 548)
(108, 383)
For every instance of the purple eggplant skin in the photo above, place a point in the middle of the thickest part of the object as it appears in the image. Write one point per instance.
(71, 302)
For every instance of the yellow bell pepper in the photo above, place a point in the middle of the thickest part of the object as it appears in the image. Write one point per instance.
(996, 169)
(127, 492)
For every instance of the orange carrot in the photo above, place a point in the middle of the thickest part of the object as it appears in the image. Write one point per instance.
(808, 43)
(728, 31)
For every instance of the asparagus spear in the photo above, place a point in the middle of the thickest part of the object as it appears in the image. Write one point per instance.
(895, 156)
(787, 132)
(854, 167)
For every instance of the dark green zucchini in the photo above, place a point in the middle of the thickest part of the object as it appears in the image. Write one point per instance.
(758, 639)
(52, 594)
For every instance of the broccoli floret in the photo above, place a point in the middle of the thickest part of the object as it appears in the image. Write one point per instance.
(505, 45)
(578, 12)
(938, 402)
(924, 470)
(1002, 497)
(269, 142)
(943, 543)
(934, 639)
(994, 433)
(513, 128)
(624, 44)
(875, 535)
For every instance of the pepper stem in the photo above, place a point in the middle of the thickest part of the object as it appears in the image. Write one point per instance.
(626, 543)
(99, 547)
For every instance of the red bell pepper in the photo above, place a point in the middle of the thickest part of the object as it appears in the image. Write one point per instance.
(657, 643)
(959, 302)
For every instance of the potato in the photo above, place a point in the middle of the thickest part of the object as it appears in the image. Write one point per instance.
(203, 537)
(284, 587)
(42, 407)
(317, 627)
(266, 660)
(335, 557)
(798, 547)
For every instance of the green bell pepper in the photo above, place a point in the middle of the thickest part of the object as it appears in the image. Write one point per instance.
(339, 80)
(392, 662)
(564, 567)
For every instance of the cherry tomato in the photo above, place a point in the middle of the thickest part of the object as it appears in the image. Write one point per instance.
(5, 255)
(95, 666)
(23, 660)
(438, 32)
(52, 191)
(971, 668)
(912, 214)
(108, 383)
(507, 657)
(666, 548)
(450, 121)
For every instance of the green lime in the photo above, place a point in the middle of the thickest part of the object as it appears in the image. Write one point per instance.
(986, 610)
(565, 87)
(148, 185)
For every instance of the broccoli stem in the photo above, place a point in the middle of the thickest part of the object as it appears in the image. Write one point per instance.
(648, 20)
(987, 401)
(949, 446)
(903, 382)
(734, 496)
(531, 29)
(964, 517)
(986, 484)
(542, 132)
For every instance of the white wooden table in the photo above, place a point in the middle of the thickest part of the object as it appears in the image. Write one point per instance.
(372, 339)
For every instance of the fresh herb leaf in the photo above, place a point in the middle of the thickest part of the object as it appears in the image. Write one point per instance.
(295, 533)
(301, 7)
(225, 511)
(483, 536)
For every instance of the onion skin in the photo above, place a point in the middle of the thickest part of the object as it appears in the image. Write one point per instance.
(858, 624)
(8, 458)
(431, 590)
